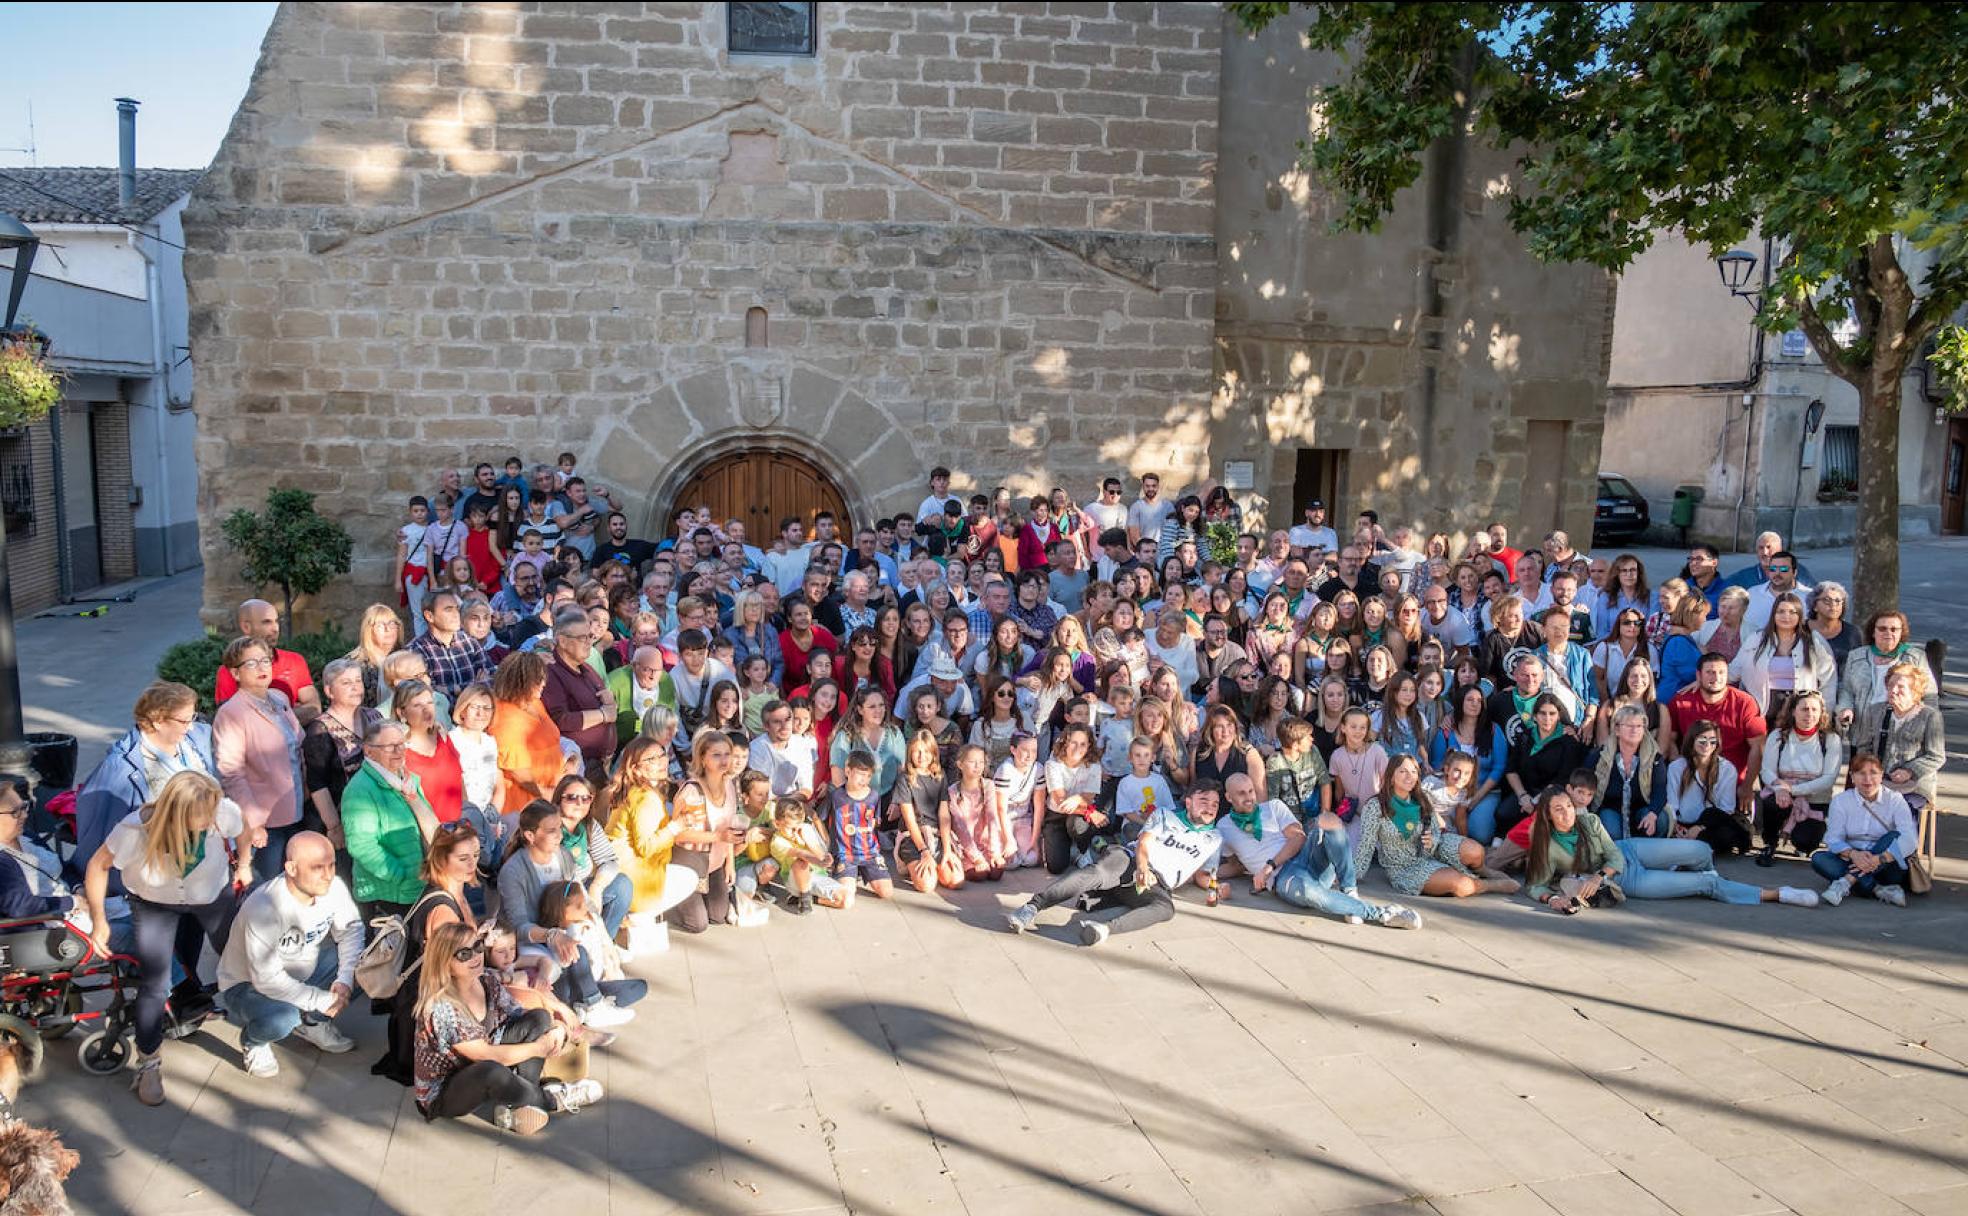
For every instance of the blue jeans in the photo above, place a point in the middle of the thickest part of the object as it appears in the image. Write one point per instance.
(261, 1019)
(1320, 876)
(1617, 830)
(578, 987)
(1483, 818)
(615, 899)
(1651, 872)
(1889, 874)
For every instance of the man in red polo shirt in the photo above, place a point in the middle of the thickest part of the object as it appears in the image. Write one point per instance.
(1733, 710)
(576, 697)
(259, 619)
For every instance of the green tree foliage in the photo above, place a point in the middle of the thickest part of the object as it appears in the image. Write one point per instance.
(288, 545)
(1834, 129)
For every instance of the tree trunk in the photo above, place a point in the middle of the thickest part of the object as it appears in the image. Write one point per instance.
(1876, 534)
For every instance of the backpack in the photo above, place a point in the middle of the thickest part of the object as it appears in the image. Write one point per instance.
(380, 971)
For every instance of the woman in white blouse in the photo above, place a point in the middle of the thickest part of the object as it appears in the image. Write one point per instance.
(1785, 659)
(1800, 770)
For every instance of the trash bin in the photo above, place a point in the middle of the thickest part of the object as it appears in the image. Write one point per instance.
(53, 756)
(1682, 514)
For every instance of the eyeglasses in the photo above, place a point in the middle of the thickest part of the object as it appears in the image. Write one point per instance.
(387, 747)
(578, 798)
(1707, 742)
(465, 954)
(1003, 694)
(245, 663)
(1780, 569)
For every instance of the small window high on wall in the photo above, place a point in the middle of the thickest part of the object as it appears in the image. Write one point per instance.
(1838, 473)
(771, 27)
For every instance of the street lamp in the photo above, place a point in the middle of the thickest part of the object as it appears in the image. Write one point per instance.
(18, 237)
(1735, 267)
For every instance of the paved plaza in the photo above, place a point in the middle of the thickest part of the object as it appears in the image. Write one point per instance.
(913, 1058)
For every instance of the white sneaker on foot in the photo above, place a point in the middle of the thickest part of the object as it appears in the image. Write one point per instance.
(605, 1014)
(1836, 891)
(1889, 894)
(1400, 916)
(1022, 918)
(1093, 932)
(259, 1061)
(1802, 897)
(1355, 920)
(519, 1120)
(325, 1035)
(570, 1096)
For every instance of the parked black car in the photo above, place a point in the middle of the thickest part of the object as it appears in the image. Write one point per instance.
(1622, 510)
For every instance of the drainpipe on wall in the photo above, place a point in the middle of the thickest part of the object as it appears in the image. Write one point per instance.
(160, 390)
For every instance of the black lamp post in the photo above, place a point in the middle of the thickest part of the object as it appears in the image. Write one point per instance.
(18, 237)
(1735, 267)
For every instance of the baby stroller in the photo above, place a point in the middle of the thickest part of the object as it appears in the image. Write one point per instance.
(53, 980)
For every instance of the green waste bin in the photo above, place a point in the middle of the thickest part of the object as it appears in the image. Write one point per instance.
(1682, 514)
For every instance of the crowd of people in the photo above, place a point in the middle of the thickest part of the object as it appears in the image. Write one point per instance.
(564, 742)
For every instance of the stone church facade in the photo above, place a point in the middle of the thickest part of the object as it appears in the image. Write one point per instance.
(1033, 242)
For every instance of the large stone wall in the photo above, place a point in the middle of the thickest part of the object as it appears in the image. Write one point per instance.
(1423, 352)
(983, 236)
(1000, 237)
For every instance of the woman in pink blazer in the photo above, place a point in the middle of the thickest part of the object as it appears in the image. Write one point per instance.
(256, 742)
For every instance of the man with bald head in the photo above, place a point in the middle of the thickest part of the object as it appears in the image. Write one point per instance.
(639, 685)
(289, 966)
(259, 619)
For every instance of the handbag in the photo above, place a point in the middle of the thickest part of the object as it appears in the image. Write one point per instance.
(380, 971)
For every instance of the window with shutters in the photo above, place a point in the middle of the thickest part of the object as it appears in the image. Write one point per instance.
(1838, 470)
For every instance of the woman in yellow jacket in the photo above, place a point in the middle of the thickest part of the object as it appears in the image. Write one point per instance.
(643, 832)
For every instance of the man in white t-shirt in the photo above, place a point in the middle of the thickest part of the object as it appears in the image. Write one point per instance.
(931, 507)
(1104, 512)
(786, 564)
(1176, 845)
(786, 759)
(1310, 870)
(289, 965)
(1146, 513)
(1314, 533)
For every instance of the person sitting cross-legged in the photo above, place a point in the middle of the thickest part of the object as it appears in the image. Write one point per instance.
(1869, 835)
(1310, 869)
(289, 965)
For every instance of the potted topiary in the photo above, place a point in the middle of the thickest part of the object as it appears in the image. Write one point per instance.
(29, 388)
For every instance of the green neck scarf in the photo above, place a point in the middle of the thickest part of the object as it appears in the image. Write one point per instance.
(1523, 703)
(1540, 742)
(1251, 823)
(1568, 841)
(1182, 813)
(575, 841)
(1407, 814)
(1896, 652)
(197, 856)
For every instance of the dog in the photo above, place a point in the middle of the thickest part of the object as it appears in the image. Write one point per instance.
(33, 1160)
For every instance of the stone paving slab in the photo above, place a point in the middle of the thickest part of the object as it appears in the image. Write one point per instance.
(910, 1058)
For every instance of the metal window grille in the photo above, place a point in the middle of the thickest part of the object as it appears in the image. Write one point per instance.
(771, 27)
(1839, 469)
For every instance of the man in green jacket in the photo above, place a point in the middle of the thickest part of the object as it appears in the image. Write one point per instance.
(639, 684)
(385, 822)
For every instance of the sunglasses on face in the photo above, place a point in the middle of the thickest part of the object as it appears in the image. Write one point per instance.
(471, 953)
(581, 798)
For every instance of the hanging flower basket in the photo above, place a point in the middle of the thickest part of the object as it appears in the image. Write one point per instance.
(29, 388)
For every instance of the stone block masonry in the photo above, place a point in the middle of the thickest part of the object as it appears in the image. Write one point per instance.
(982, 234)
(993, 236)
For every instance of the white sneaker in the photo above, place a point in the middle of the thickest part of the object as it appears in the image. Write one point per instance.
(1836, 890)
(1400, 916)
(605, 1014)
(1022, 918)
(1093, 932)
(1894, 895)
(1355, 920)
(259, 1061)
(570, 1096)
(1801, 897)
(325, 1035)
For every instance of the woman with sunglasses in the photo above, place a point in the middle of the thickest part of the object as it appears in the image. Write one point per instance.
(596, 866)
(475, 1046)
(1625, 642)
(1800, 770)
(1828, 603)
(1701, 791)
(450, 866)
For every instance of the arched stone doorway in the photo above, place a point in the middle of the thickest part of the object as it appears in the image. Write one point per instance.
(761, 486)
